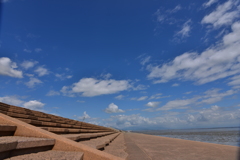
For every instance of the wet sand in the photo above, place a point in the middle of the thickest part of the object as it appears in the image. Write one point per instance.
(225, 136)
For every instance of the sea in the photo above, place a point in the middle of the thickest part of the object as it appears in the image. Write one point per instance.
(225, 136)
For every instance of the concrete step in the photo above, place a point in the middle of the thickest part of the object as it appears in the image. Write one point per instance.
(38, 119)
(7, 130)
(16, 145)
(78, 137)
(117, 147)
(19, 112)
(51, 124)
(70, 130)
(100, 143)
(8, 143)
(50, 155)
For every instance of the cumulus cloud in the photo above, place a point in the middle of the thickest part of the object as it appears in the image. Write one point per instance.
(52, 93)
(219, 61)
(209, 3)
(186, 28)
(34, 105)
(113, 108)
(214, 115)
(33, 82)
(124, 121)
(153, 104)
(41, 71)
(8, 68)
(90, 87)
(12, 100)
(85, 115)
(28, 64)
(225, 14)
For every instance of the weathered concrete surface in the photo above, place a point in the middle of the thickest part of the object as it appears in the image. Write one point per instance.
(4, 127)
(62, 143)
(140, 146)
(26, 142)
(50, 155)
(117, 147)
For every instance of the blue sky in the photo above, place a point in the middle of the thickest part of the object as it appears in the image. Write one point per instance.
(145, 64)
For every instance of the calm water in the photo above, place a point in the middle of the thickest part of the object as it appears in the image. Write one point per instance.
(226, 136)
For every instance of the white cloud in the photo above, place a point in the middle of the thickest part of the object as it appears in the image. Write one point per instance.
(213, 95)
(27, 50)
(90, 87)
(209, 3)
(80, 101)
(166, 15)
(34, 105)
(52, 93)
(38, 50)
(28, 64)
(216, 62)
(84, 116)
(186, 28)
(178, 104)
(153, 104)
(235, 80)
(140, 98)
(140, 87)
(8, 68)
(120, 97)
(188, 92)
(225, 14)
(176, 9)
(156, 96)
(12, 100)
(214, 116)
(209, 97)
(106, 76)
(124, 121)
(113, 108)
(32, 82)
(41, 71)
(175, 85)
(63, 76)
(144, 60)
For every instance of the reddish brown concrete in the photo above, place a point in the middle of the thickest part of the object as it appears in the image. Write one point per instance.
(62, 143)
(117, 147)
(50, 155)
(161, 148)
